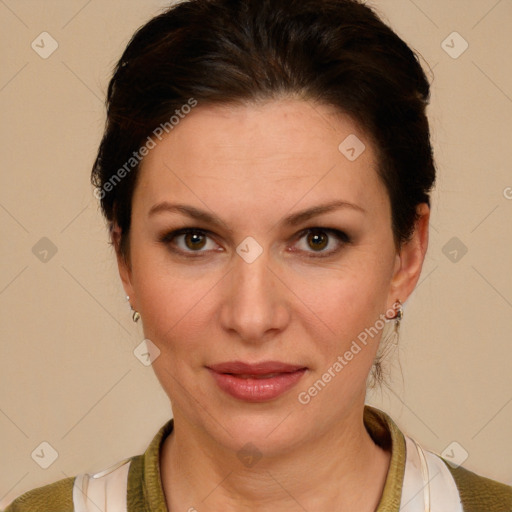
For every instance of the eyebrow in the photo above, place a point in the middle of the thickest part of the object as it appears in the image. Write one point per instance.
(290, 220)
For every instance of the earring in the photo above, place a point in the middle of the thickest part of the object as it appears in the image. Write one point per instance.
(399, 313)
(135, 314)
(391, 342)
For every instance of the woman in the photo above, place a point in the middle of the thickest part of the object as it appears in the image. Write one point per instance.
(266, 171)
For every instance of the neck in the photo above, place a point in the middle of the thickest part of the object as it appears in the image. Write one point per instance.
(346, 465)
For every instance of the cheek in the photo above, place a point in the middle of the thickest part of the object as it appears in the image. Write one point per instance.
(349, 313)
(349, 295)
(348, 322)
(171, 308)
(158, 293)
(175, 302)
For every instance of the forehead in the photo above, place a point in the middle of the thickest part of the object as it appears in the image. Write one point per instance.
(257, 155)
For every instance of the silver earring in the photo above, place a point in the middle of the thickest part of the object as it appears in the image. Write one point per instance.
(135, 314)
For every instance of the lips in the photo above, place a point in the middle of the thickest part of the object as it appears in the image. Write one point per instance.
(263, 368)
(258, 382)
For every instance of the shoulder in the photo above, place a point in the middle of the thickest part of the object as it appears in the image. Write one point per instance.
(140, 475)
(479, 493)
(83, 491)
(55, 497)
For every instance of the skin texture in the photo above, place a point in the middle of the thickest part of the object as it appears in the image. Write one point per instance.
(252, 165)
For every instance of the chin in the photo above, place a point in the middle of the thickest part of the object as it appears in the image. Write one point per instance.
(273, 427)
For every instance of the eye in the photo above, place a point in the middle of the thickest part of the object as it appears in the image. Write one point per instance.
(319, 238)
(193, 240)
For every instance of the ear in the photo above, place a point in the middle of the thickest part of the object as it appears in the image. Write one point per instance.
(409, 261)
(123, 263)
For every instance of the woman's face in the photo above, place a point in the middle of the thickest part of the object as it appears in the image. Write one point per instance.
(258, 280)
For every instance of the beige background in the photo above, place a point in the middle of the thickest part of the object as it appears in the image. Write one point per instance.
(67, 369)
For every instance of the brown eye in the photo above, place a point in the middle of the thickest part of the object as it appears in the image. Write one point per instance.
(191, 242)
(317, 240)
(194, 240)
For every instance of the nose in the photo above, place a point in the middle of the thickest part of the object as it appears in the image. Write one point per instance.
(254, 302)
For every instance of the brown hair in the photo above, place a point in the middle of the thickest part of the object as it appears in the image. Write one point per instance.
(337, 52)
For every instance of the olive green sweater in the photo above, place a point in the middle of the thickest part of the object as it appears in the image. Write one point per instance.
(145, 493)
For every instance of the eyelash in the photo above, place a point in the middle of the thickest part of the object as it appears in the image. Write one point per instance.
(342, 237)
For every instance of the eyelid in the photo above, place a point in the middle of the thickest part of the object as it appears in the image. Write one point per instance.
(342, 237)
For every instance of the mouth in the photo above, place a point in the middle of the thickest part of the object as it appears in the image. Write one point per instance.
(259, 382)
(255, 376)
